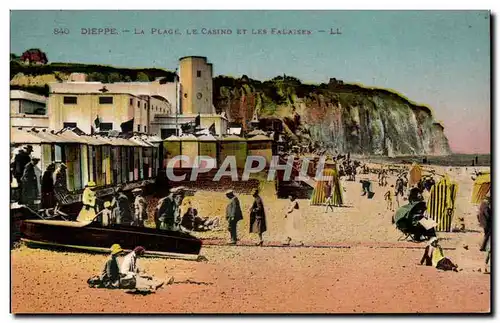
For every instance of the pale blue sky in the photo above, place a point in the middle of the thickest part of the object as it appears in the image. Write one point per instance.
(437, 58)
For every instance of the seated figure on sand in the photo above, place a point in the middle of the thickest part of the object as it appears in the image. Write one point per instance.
(434, 256)
(191, 221)
(133, 278)
(411, 219)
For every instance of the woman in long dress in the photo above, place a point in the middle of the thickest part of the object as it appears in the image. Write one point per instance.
(291, 221)
(258, 217)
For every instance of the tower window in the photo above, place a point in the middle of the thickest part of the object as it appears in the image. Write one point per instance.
(69, 100)
(131, 102)
(105, 100)
(145, 129)
(138, 128)
(198, 73)
(138, 104)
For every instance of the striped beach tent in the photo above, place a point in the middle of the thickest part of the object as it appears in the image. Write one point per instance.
(482, 186)
(441, 204)
(319, 195)
(415, 174)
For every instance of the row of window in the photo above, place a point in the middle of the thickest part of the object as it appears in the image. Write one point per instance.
(107, 100)
(102, 100)
(103, 126)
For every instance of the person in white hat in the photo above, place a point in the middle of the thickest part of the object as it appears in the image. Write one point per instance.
(106, 214)
(88, 212)
(140, 208)
(110, 276)
(233, 215)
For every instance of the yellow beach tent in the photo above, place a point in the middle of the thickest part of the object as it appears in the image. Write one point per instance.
(415, 174)
(441, 204)
(319, 195)
(482, 186)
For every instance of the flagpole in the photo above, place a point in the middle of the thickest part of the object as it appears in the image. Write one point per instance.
(176, 104)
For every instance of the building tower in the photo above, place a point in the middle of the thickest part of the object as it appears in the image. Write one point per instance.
(196, 85)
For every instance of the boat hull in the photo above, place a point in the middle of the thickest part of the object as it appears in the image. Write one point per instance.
(93, 236)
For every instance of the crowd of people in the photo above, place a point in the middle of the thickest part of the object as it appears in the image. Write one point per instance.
(30, 186)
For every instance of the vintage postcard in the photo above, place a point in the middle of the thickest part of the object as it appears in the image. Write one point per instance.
(250, 162)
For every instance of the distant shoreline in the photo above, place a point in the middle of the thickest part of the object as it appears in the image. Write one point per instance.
(463, 160)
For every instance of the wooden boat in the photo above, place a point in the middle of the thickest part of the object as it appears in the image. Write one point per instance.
(92, 236)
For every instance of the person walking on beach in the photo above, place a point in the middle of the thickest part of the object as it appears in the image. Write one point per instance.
(291, 221)
(484, 217)
(388, 199)
(258, 217)
(233, 215)
(399, 189)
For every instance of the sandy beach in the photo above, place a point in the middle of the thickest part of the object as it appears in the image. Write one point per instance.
(351, 263)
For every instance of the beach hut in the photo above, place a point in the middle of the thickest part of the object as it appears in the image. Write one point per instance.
(320, 193)
(156, 142)
(207, 146)
(482, 186)
(233, 146)
(260, 145)
(49, 140)
(107, 168)
(171, 149)
(441, 203)
(70, 154)
(415, 174)
(189, 148)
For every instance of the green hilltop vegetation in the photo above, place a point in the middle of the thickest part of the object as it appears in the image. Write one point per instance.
(285, 90)
(96, 73)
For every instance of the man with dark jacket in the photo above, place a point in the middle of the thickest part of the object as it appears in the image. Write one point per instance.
(48, 200)
(167, 215)
(121, 205)
(233, 215)
(484, 218)
(22, 159)
(29, 180)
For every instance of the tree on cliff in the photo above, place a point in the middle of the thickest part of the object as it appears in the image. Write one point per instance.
(114, 77)
(34, 56)
(142, 77)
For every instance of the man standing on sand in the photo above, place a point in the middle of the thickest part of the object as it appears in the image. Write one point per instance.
(484, 217)
(121, 205)
(140, 208)
(168, 209)
(233, 215)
